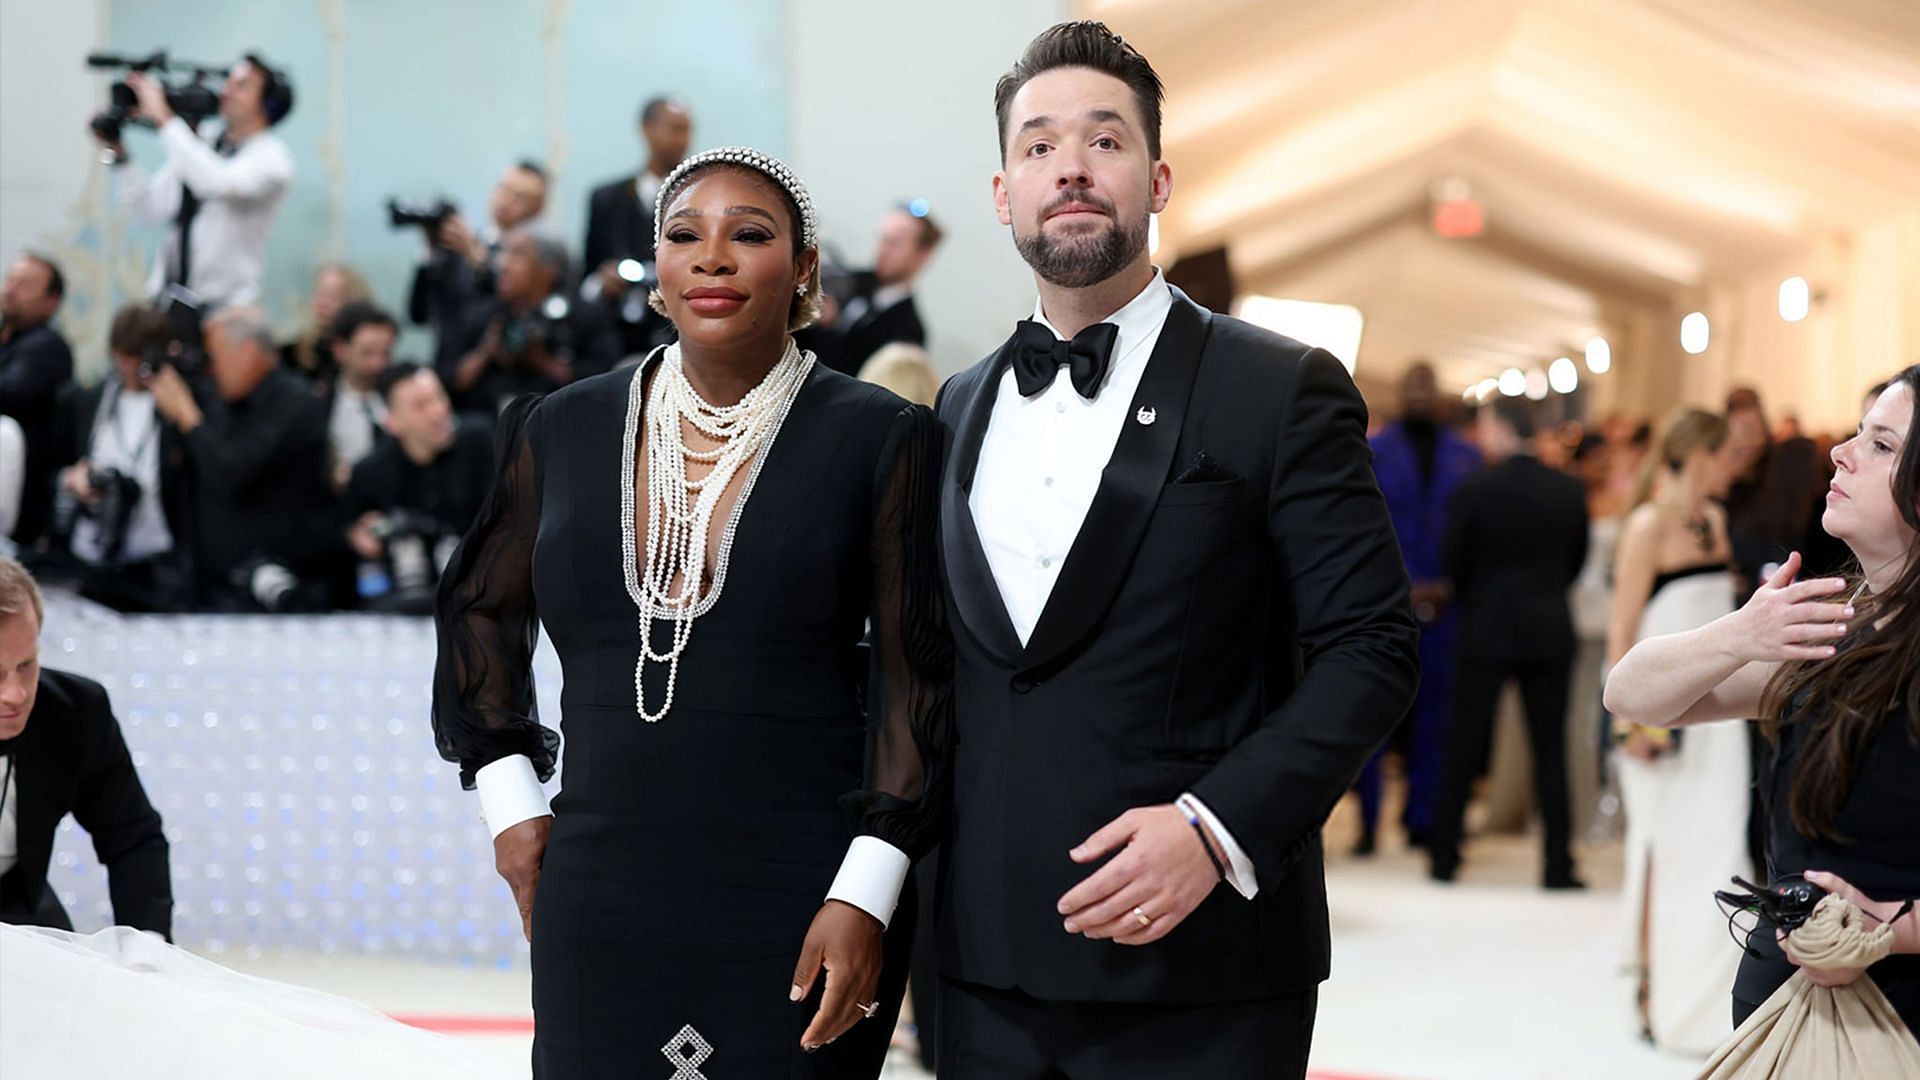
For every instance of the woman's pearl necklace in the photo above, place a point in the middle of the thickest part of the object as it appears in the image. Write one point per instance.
(680, 511)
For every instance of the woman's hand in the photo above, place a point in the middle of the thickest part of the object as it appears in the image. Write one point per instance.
(517, 854)
(847, 943)
(1787, 621)
(1880, 911)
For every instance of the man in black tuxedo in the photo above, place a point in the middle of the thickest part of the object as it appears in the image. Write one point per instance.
(61, 753)
(880, 309)
(35, 366)
(1182, 626)
(1515, 542)
(620, 228)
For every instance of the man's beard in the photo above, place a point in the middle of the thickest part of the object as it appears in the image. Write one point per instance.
(1076, 262)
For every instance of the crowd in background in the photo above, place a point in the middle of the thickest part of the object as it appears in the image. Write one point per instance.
(214, 467)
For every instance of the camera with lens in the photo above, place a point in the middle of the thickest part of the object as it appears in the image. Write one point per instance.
(416, 548)
(546, 323)
(115, 496)
(192, 99)
(184, 350)
(405, 213)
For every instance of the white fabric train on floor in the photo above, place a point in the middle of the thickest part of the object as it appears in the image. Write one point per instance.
(124, 1003)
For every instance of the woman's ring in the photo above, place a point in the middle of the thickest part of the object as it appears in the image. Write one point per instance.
(868, 1010)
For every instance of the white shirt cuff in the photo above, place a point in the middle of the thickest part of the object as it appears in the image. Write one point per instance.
(509, 793)
(871, 877)
(1239, 867)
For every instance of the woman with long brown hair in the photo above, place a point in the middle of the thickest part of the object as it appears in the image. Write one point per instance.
(1832, 666)
(1685, 800)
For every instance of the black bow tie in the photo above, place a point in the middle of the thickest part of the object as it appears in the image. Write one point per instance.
(1039, 354)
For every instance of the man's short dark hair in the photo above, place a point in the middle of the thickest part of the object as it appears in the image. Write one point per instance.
(1084, 44)
(276, 92)
(56, 281)
(650, 111)
(528, 165)
(357, 314)
(1516, 413)
(136, 329)
(396, 374)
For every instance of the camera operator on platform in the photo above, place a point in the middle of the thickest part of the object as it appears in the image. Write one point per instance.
(123, 499)
(219, 196)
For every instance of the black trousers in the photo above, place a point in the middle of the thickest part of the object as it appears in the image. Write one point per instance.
(988, 1034)
(1543, 693)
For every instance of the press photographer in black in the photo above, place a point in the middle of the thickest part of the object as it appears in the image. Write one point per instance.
(34, 364)
(218, 196)
(123, 505)
(267, 535)
(527, 337)
(412, 499)
(461, 260)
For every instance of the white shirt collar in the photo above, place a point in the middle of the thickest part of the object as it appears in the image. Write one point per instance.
(887, 296)
(1140, 316)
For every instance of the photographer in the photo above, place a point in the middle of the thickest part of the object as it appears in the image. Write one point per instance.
(414, 496)
(362, 337)
(35, 364)
(461, 263)
(123, 501)
(618, 253)
(220, 197)
(525, 338)
(257, 440)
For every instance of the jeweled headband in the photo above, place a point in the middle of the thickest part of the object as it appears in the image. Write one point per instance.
(765, 164)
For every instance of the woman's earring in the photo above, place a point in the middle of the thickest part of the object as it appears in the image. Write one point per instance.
(800, 289)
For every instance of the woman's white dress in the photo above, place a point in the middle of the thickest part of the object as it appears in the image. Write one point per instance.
(1686, 837)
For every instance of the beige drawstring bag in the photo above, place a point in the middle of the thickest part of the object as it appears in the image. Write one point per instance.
(1808, 1032)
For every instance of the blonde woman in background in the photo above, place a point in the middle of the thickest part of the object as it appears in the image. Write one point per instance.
(1685, 801)
(904, 369)
(335, 285)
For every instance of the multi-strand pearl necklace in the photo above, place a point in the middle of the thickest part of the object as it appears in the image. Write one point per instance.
(680, 511)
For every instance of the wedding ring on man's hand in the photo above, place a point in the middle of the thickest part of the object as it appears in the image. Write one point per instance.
(1146, 920)
(869, 1009)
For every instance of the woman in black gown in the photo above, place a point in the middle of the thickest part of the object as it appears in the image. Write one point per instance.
(1833, 668)
(676, 898)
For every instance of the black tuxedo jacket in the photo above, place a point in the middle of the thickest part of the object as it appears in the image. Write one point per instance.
(874, 330)
(619, 226)
(1515, 542)
(1236, 625)
(71, 759)
(34, 364)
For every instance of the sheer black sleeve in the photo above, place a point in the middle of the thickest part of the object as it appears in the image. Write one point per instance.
(483, 704)
(910, 706)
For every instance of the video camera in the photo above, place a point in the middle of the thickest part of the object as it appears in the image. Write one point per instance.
(192, 100)
(402, 213)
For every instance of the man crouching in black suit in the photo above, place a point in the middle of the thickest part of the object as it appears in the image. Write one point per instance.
(60, 753)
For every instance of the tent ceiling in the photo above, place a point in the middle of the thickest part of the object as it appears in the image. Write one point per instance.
(1627, 151)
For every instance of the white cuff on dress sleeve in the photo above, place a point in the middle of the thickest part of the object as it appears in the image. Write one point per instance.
(871, 877)
(1239, 867)
(509, 793)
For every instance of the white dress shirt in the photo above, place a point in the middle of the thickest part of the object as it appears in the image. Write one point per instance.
(354, 426)
(239, 198)
(9, 814)
(13, 478)
(126, 438)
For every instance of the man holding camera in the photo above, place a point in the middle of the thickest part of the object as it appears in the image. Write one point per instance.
(35, 364)
(220, 197)
(257, 440)
(461, 262)
(413, 498)
(527, 337)
(123, 500)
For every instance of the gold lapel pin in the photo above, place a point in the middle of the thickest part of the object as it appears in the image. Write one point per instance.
(1146, 415)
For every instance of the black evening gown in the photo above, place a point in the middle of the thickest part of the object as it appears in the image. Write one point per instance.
(688, 857)
(1880, 855)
